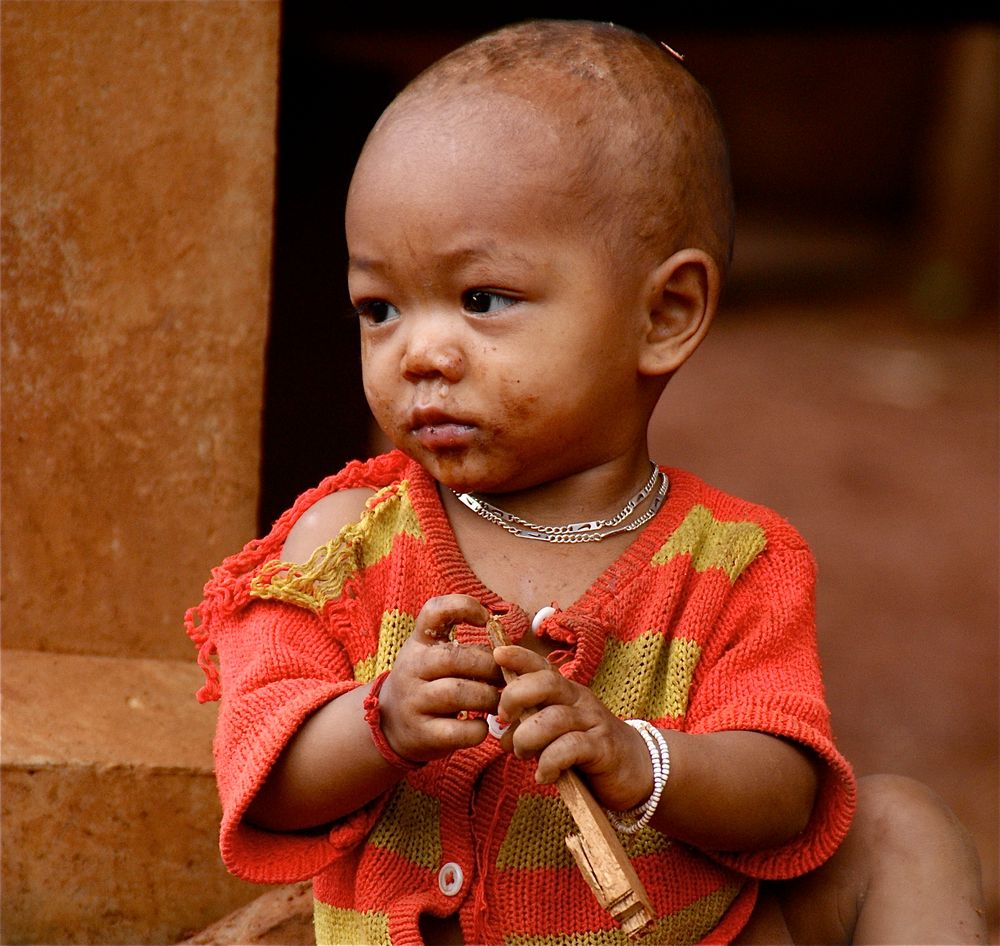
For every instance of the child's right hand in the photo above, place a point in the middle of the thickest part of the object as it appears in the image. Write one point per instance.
(435, 681)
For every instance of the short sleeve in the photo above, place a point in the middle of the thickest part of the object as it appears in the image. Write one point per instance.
(765, 676)
(278, 665)
(272, 659)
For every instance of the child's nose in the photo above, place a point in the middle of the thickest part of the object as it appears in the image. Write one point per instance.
(432, 351)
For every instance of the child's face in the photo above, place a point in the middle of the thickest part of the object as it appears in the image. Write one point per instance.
(499, 337)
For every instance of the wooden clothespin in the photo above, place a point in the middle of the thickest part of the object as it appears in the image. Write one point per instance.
(596, 848)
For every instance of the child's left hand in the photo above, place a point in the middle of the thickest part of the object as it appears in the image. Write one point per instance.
(567, 725)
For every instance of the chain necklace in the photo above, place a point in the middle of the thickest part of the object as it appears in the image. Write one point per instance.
(592, 531)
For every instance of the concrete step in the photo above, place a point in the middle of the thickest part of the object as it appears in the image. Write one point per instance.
(109, 808)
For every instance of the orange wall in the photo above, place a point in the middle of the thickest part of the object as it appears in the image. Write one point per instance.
(138, 153)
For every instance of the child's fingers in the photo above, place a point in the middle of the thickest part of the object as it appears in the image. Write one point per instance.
(531, 689)
(450, 696)
(537, 729)
(446, 734)
(440, 614)
(520, 660)
(474, 661)
(430, 737)
(417, 713)
(614, 759)
(571, 748)
(433, 628)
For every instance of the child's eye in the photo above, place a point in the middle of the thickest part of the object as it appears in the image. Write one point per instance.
(484, 302)
(376, 311)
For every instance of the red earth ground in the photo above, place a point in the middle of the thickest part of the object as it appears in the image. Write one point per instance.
(876, 434)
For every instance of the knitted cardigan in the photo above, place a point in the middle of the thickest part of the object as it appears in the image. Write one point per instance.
(705, 623)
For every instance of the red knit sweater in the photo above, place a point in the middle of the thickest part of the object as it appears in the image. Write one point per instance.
(705, 623)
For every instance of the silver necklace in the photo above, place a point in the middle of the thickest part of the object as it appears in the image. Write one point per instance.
(592, 531)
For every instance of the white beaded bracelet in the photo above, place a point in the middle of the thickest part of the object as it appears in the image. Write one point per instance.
(633, 820)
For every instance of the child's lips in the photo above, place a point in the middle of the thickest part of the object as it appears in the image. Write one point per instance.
(444, 436)
(435, 431)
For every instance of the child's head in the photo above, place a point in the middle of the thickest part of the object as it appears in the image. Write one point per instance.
(557, 195)
(643, 138)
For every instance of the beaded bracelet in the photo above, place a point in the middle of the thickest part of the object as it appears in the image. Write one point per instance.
(633, 820)
(373, 717)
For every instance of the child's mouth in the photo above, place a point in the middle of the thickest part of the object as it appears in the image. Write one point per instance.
(445, 435)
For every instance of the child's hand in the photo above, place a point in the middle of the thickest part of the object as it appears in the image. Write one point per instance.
(435, 681)
(564, 724)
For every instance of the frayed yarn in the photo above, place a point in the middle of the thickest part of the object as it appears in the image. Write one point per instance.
(231, 586)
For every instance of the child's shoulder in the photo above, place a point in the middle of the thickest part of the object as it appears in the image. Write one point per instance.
(333, 503)
(317, 516)
(712, 508)
(320, 513)
(323, 520)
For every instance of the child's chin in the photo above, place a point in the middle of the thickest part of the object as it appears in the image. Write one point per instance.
(457, 473)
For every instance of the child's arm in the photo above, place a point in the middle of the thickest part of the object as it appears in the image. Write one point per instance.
(727, 791)
(332, 767)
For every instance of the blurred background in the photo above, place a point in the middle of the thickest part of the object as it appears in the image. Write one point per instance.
(179, 362)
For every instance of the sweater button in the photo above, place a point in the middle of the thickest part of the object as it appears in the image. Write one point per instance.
(450, 879)
(540, 615)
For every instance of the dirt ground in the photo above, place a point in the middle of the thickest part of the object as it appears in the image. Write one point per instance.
(875, 433)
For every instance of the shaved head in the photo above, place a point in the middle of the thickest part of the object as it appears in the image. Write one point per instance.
(641, 141)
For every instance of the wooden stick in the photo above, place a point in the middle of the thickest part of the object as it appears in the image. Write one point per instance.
(596, 848)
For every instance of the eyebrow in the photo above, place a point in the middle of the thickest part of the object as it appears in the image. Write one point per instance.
(461, 257)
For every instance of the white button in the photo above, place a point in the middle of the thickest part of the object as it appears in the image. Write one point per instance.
(540, 616)
(450, 879)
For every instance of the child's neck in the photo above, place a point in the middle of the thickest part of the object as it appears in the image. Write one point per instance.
(533, 573)
(593, 494)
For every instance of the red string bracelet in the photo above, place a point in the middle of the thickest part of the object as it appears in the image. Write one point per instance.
(373, 717)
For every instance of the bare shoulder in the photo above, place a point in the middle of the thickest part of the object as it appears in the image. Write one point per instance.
(323, 521)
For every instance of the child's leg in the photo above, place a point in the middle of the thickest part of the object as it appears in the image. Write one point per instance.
(907, 872)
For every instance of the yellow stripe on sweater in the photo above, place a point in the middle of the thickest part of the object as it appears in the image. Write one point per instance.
(359, 545)
(648, 677)
(410, 827)
(334, 925)
(685, 926)
(537, 834)
(711, 543)
(395, 628)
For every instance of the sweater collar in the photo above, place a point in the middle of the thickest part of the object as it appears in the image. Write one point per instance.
(582, 626)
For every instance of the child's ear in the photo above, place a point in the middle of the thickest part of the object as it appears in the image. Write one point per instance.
(683, 296)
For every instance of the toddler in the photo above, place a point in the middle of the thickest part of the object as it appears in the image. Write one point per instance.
(539, 228)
